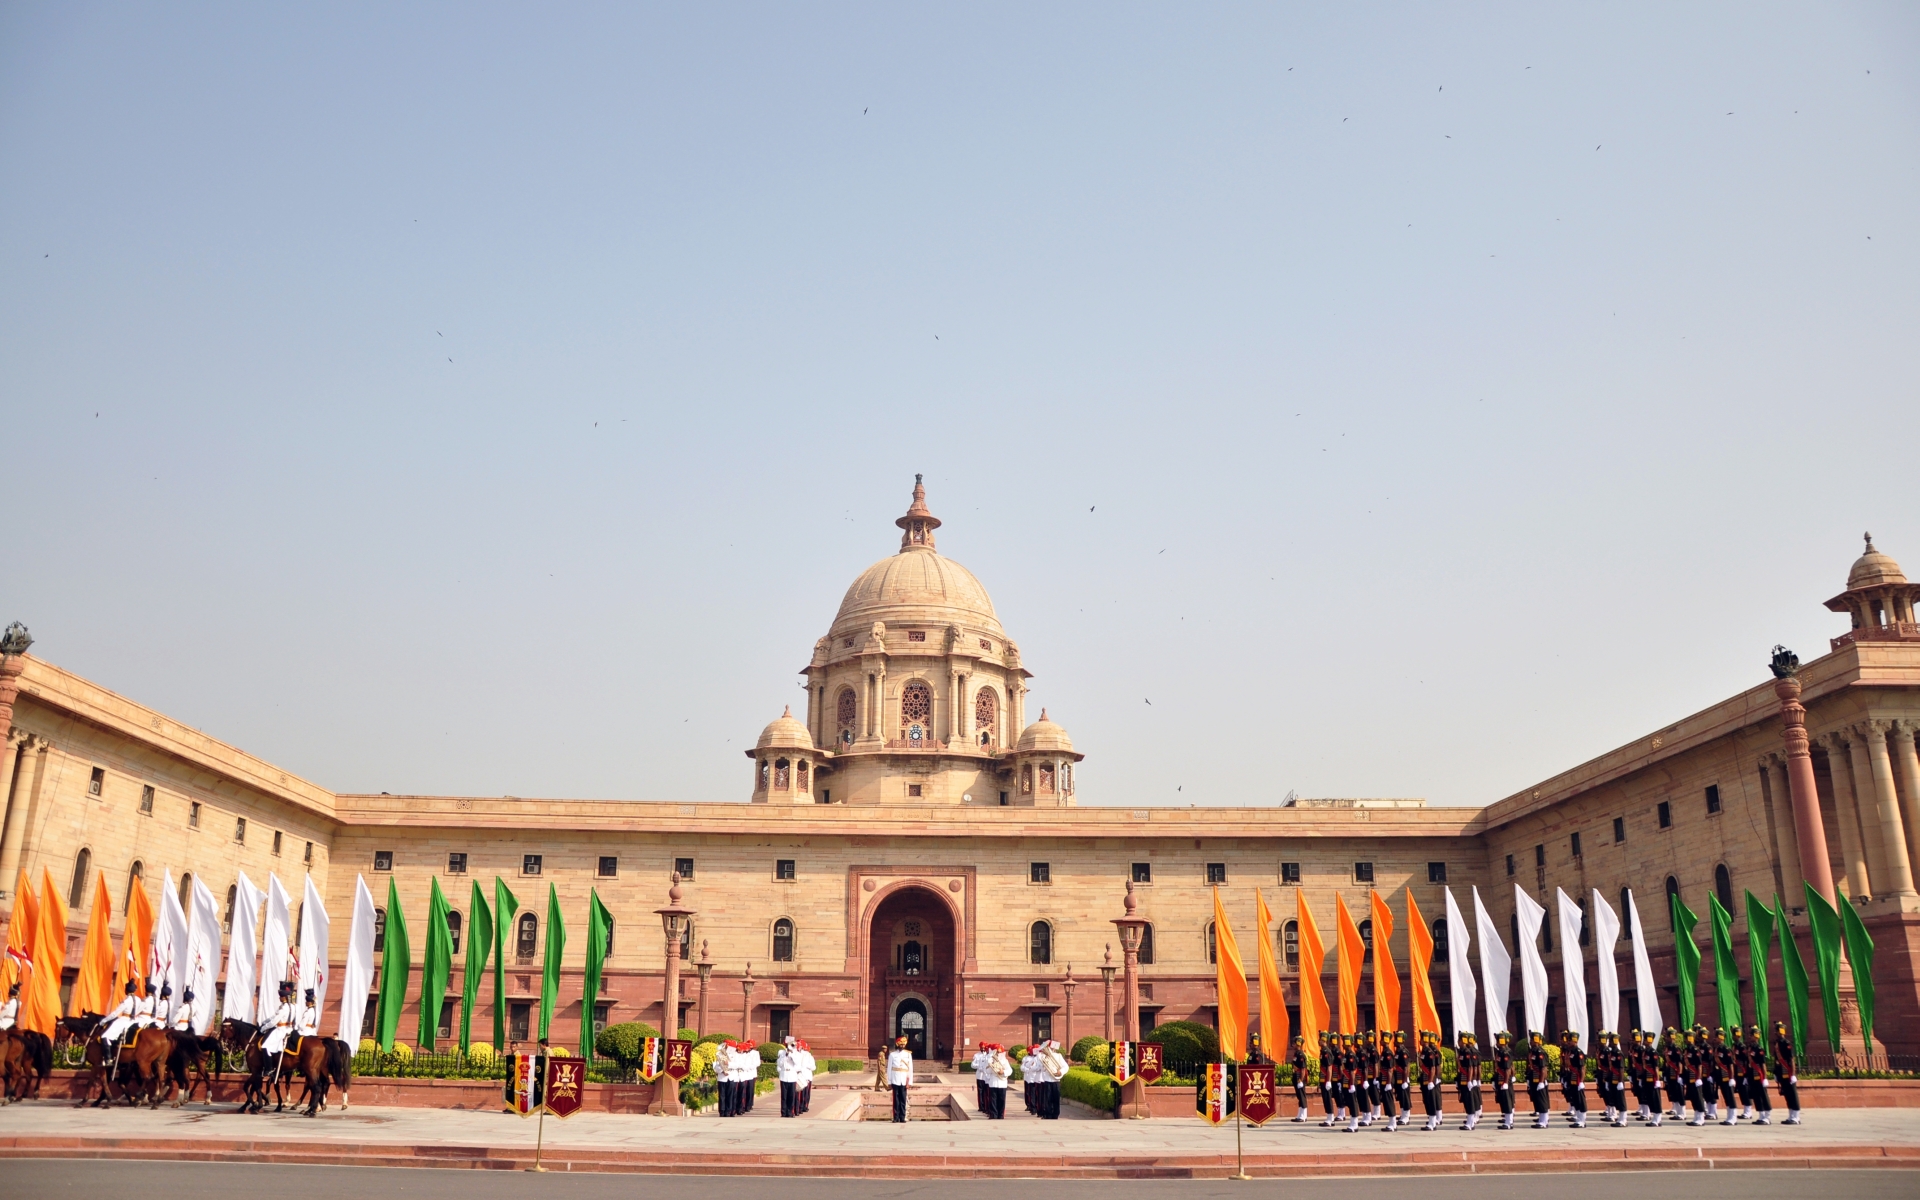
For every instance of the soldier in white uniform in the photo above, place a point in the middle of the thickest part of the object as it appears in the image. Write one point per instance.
(1030, 1077)
(10, 1011)
(307, 1024)
(120, 1019)
(980, 1060)
(900, 1077)
(807, 1066)
(279, 1025)
(786, 1065)
(999, 1071)
(183, 1015)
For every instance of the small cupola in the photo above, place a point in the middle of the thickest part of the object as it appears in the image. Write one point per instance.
(1879, 599)
(918, 525)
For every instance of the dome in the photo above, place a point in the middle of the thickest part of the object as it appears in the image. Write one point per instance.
(785, 733)
(1873, 569)
(1045, 735)
(917, 586)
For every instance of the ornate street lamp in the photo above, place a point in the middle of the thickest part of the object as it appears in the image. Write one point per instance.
(705, 967)
(1133, 1095)
(1106, 976)
(673, 921)
(746, 1004)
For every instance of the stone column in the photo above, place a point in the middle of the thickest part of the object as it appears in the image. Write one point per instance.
(1790, 876)
(1898, 877)
(746, 1004)
(1811, 838)
(705, 967)
(1017, 701)
(1067, 1041)
(31, 756)
(1106, 999)
(1908, 762)
(1848, 816)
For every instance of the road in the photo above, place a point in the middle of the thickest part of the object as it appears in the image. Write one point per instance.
(44, 1178)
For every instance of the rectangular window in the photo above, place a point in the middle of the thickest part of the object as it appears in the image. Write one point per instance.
(914, 789)
(1540, 855)
(683, 867)
(146, 799)
(1143, 872)
(96, 781)
(1509, 864)
(601, 1012)
(1363, 872)
(240, 830)
(1576, 845)
(1666, 815)
(1619, 830)
(783, 869)
(446, 1017)
(1042, 1025)
(1290, 872)
(1216, 872)
(456, 863)
(1003, 799)
(517, 1023)
(609, 866)
(383, 860)
(276, 842)
(1042, 991)
(370, 1019)
(307, 857)
(1713, 798)
(530, 864)
(1039, 873)
(1436, 872)
(193, 814)
(826, 795)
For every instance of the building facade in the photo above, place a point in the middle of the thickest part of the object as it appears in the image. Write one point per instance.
(910, 859)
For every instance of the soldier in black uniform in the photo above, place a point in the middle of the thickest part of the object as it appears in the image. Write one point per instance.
(1673, 1065)
(1430, 1062)
(1573, 1077)
(1720, 1077)
(1353, 1076)
(1638, 1070)
(1503, 1077)
(1397, 1075)
(1467, 1058)
(1786, 1069)
(1326, 1075)
(1298, 1061)
(1372, 1078)
(1537, 1073)
(1606, 1076)
(1696, 1060)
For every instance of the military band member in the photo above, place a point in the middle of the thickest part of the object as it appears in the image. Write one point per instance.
(786, 1066)
(1030, 1079)
(1467, 1060)
(1573, 1078)
(1299, 1062)
(981, 1059)
(1503, 1077)
(1537, 1072)
(807, 1067)
(1053, 1068)
(999, 1071)
(1786, 1069)
(1430, 1063)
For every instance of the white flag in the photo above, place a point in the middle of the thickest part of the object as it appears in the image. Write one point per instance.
(1646, 994)
(202, 964)
(1533, 972)
(241, 979)
(1573, 967)
(356, 979)
(1606, 935)
(1496, 969)
(170, 938)
(1459, 970)
(313, 947)
(274, 950)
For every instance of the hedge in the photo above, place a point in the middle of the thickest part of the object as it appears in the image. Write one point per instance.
(1099, 1058)
(1083, 1046)
(1098, 1092)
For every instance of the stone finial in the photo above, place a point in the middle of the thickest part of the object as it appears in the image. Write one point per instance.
(749, 975)
(1109, 953)
(15, 640)
(1130, 902)
(918, 524)
(703, 950)
(1869, 540)
(786, 712)
(1785, 663)
(673, 890)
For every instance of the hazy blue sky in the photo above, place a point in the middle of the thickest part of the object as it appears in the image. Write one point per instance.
(1407, 400)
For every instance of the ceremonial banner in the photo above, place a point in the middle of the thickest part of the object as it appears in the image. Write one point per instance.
(22, 927)
(564, 1085)
(1606, 934)
(1726, 972)
(40, 998)
(315, 929)
(1646, 994)
(479, 946)
(395, 962)
(1826, 957)
(1213, 1093)
(356, 978)
(1533, 971)
(276, 938)
(243, 952)
(1686, 956)
(1860, 958)
(93, 987)
(1759, 943)
(1386, 976)
(437, 967)
(1573, 967)
(1230, 981)
(653, 1058)
(556, 945)
(1496, 972)
(1460, 983)
(1274, 1030)
(599, 933)
(1795, 972)
(1349, 951)
(203, 957)
(525, 1075)
(1126, 1060)
(1151, 1061)
(679, 1060)
(136, 940)
(1259, 1098)
(1426, 1014)
(1313, 958)
(505, 904)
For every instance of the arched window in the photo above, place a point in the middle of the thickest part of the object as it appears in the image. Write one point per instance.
(1026, 780)
(848, 712)
(134, 874)
(1586, 936)
(1366, 936)
(803, 777)
(1673, 889)
(186, 888)
(766, 770)
(453, 931)
(1213, 943)
(1290, 945)
(1046, 779)
(82, 863)
(783, 940)
(1146, 945)
(379, 930)
(1066, 779)
(986, 715)
(916, 713)
(233, 899)
(782, 774)
(1440, 937)
(1626, 926)
(528, 935)
(1040, 943)
(1723, 884)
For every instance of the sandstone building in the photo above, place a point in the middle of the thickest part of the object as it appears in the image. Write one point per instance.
(908, 857)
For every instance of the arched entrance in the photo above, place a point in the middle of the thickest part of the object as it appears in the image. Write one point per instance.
(911, 958)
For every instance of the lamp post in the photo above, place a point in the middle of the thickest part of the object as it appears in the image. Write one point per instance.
(705, 967)
(1106, 978)
(1133, 1094)
(673, 921)
(746, 1004)
(1068, 985)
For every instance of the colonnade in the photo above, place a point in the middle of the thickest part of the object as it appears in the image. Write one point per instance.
(1875, 774)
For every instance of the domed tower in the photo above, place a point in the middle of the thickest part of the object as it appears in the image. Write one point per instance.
(916, 694)
(1042, 765)
(1880, 600)
(786, 766)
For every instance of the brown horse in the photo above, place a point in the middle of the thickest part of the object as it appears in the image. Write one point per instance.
(26, 1059)
(242, 1040)
(144, 1056)
(319, 1062)
(187, 1065)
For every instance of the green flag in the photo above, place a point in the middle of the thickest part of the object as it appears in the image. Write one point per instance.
(395, 962)
(436, 967)
(1686, 957)
(504, 906)
(1726, 972)
(1826, 954)
(479, 945)
(1795, 972)
(599, 934)
(1759, 942)
(550, 977)
(1860, 957)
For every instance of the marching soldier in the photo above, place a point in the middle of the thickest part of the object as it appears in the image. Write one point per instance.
(1720, 1076)
(1430, 1062)
(787, 1067)
(1467, 1059)
(1326, 1076)
(1786, 1069)
(1402, 1083)
(1367, 1048)
(1673, 1065)
(981, 1060)
(1053, 1068)
(1537, 1079)
(999, 1071)
(1694, 1059)
(1610, 1076)
(10, 1011)
(1030, 1079)
(1573, 1078)
(1298, 1061)
(1754, 1058)
(1503, 1077)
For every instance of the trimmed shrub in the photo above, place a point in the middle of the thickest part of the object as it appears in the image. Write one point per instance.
(481, 1054)
(369, 1046)
(834, 1066)
(703, 1056)
(1098, 1092)
(712, 1039)
(769, 1051)
(1099, 1059)
(1015, 1054)
(621, 1042)
(686, 1035)
(1189, 1046)
(402, 1051)
(1081, 1047)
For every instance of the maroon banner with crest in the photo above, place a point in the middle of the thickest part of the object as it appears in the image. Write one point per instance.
(566, 1080)
(1152, 1062)
(1259, 1101)
(679, 1060)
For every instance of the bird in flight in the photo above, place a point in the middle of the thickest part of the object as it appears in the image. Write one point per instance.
(1091, 507)
(1149, 702)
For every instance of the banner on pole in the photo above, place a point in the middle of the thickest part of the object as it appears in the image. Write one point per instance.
(653, 1058)
(563, 1085)
(1213, 1093)
(1150, 1061)
(525, 1075)
(1126, 1061)
(679, 1060)
(1259, 1099)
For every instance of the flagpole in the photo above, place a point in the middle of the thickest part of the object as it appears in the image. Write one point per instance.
(1239, 1155)
(539, 1136)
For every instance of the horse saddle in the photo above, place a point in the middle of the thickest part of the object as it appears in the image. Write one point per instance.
(292, 1048)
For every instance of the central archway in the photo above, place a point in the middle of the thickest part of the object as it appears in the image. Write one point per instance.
(911, 961)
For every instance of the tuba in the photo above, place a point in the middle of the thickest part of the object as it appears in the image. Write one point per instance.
(1054, 1063)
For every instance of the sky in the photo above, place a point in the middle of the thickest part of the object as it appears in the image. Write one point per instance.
(1352, 400)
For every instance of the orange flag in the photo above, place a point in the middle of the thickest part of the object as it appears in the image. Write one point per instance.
(1419, 959)
(22, 926)
(1231, 974)
(40, 1006)
(1313, 996)
(136, 943)
(93, 988)
(1352, 952)
(1386, 976)
(1273, 1002)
